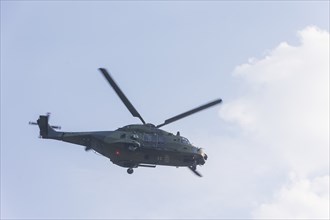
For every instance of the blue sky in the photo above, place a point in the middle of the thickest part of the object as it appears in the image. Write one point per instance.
(167, 57)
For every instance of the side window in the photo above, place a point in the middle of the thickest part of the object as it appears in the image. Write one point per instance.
(147, 138)
(154, 138)
(161, 139)
(150, 139)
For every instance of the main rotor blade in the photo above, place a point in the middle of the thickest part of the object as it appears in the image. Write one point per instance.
(200, 108)
(121, 95)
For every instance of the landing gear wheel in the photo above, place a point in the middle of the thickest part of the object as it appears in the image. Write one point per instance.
(130, 170)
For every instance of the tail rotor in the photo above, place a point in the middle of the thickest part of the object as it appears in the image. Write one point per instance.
(46, 130)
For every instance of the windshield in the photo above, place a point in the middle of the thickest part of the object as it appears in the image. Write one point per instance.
(184, 140)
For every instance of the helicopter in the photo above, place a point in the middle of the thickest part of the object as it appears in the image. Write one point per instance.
(135, 145)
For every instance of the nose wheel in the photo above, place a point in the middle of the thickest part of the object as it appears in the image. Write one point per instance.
(130, 170)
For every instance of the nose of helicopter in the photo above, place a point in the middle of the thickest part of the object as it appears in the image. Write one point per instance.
(203, 155)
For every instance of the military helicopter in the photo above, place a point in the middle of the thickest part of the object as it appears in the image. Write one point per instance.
(136, 145)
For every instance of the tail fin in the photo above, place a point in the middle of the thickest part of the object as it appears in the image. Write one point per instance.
(46, 130)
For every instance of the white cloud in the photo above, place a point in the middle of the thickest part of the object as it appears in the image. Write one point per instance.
(286, 109)
(241, 112)
(303, 199)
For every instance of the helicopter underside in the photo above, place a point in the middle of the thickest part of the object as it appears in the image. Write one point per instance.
(126, 156)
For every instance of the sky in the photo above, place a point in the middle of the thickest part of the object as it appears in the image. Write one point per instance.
(268, 142)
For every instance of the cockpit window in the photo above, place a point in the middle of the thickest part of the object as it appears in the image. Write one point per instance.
(184, 140)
